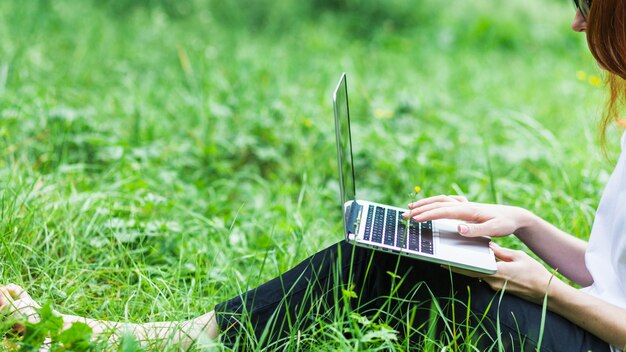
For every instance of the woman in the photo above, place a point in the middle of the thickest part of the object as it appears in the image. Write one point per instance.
(402, 292)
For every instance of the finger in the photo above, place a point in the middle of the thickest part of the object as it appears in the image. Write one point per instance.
(459, 211)
(428, 207)
(487, 228)
(435, 199)
(461, 199)
(506, 254)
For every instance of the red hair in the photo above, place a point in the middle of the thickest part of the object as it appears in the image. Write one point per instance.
(606, 35)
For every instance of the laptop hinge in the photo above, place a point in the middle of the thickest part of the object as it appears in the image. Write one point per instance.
(352, 221)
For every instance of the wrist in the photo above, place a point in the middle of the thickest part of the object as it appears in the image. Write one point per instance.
(526, 221)
(557, 291)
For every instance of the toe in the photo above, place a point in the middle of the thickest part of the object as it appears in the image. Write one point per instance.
(6, 301)
(16, 291)
(5, 295)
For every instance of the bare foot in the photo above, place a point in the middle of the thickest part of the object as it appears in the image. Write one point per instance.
(16, 304)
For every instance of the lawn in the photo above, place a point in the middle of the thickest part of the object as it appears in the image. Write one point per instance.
(158, 156)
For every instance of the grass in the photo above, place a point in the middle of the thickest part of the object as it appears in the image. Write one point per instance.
(158, 157)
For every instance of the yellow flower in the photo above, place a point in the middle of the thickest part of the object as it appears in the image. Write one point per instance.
(417, 189)
(595, 81)
(383, 114)
(307, 122)
(581, 75)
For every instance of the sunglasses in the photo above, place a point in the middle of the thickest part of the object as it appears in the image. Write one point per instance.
(583, 6)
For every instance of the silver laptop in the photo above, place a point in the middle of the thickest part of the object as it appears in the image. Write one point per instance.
(382, 227)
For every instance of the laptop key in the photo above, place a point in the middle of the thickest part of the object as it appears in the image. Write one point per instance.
(414, 241)
(379, 222)
(368, 222)
(401, 238)
(427, 237)
(390, 227)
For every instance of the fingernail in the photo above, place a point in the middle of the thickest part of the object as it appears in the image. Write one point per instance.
(463, 229)
(493, 244)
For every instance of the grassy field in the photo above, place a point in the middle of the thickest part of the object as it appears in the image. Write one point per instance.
(158, 157)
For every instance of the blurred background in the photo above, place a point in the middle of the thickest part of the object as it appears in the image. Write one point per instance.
(179, 151)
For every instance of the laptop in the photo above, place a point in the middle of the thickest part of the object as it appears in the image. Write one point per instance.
(382, 227)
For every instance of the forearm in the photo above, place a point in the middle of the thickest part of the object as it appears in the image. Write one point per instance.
(602, 319)
(560, 250)
(523, 276)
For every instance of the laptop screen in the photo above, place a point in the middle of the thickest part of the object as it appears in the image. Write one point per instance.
(344, 141)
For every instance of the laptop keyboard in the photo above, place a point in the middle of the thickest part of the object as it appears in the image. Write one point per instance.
(386, 226)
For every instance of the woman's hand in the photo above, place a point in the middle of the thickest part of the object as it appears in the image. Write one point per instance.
(523, 276)
(517, 273)
(484, 219)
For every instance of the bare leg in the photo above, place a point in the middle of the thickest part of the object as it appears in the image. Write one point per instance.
(181, 333)
(18, 304)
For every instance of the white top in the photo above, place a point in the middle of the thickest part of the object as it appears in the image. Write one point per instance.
(606, 253)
